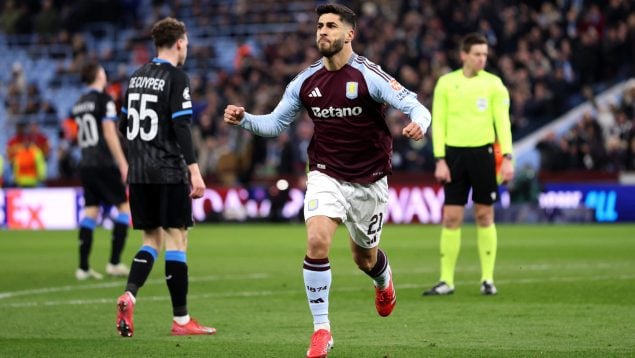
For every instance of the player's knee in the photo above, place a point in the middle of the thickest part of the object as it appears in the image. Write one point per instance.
(452, 221)
(484, 220)
(124, 208)
(484, 217)
(318, 246)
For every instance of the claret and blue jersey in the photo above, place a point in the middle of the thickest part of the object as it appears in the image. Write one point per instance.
(351, 139)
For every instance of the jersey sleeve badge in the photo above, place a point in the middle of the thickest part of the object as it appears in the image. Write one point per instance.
(395, 85)
(186, 96)
(111, 110)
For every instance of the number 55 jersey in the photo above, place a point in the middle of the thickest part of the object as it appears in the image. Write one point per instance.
(158, 96)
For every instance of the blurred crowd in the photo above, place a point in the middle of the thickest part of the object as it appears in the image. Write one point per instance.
(551, 54)
(603, 139)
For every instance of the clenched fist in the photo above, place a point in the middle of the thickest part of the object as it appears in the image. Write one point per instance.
(233, 114)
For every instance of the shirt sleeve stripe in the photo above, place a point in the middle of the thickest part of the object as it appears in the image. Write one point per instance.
(181, 113)
(124, 110)
(373, 67)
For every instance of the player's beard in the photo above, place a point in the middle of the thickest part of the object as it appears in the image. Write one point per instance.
(336, 46)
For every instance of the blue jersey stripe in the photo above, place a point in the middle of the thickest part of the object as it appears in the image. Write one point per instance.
(181, 113)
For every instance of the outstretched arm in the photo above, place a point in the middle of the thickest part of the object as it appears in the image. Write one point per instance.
(274, 123)
(266, 125)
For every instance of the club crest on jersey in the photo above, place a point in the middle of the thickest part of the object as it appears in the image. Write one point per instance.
(351, 90)
(312, 204)
(481, 104)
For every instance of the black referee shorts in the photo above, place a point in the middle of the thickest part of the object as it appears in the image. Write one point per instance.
(160, 205)
(102, 186)
(471, 167)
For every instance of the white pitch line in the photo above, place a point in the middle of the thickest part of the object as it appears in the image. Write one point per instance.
(47, 290)
(111, 300)
(256, 276)
(528, 267)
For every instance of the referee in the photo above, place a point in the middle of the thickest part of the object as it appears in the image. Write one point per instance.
(470, 112)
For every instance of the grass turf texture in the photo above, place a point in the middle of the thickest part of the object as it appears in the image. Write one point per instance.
(563, 291)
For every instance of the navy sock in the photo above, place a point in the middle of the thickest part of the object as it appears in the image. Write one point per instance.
(86, 229)
(140, 268)
(119, 234)
(177, 281)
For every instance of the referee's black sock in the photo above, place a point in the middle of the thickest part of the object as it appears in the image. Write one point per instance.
(177, 281)
(119, 234)
(86, 229)
(140, 268)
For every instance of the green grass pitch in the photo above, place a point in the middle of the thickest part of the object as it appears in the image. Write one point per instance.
(564, 291)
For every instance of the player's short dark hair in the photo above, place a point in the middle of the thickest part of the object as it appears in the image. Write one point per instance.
(167, 31)
(89, 72)
(346, 15)
(470, 40)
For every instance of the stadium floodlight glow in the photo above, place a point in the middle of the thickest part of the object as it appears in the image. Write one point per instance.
(282, 184)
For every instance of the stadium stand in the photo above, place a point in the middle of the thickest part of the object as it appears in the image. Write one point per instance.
(552, 55)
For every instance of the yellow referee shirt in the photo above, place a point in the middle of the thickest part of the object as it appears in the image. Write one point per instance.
(470, 112)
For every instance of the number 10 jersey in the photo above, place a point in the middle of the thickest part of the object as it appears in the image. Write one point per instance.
(158, 95)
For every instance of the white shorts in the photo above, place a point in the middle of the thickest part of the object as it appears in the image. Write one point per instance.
(361, 207)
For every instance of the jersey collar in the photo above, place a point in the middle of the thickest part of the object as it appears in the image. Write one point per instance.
(88, 89)
(160, 60)
(352, 58)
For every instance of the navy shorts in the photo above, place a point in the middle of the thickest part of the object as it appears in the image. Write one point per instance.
(102, 186)
(160, 205)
